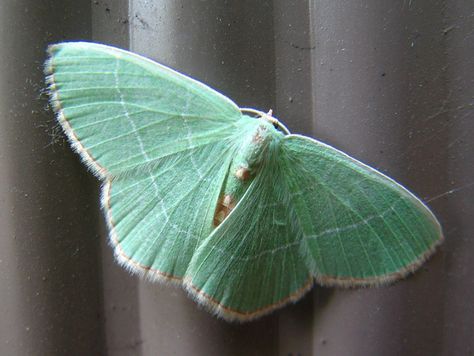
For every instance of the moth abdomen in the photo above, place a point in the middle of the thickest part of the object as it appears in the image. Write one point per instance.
(225, 204)
(243, 173)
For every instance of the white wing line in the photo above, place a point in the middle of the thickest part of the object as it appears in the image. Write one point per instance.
(137, 136)
(297, 242)
(189, 136)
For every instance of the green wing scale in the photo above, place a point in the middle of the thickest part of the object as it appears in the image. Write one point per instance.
(113, 105)
(378, 230)
(260, 244)
(245, 217)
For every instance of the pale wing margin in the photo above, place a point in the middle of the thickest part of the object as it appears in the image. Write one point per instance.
(250, 264)
(121, 110)
(359, 226)
(160, 140)
(155, 228)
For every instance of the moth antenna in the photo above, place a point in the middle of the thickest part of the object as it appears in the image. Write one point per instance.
(269, 117)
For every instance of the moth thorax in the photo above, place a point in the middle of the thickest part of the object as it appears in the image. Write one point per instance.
(252, 151)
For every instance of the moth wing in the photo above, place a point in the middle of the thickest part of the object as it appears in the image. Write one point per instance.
(122, 111)
(160, 140)
(157, 220)
(250, 264)
(359, 227)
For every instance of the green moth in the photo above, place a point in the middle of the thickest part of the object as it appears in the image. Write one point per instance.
(242, 214)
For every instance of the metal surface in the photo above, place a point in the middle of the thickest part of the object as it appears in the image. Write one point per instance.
(390, 83)
(49, 259)
(110, 25)
(392, 87)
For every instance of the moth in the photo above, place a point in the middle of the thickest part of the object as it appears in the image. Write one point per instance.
(241, 213)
